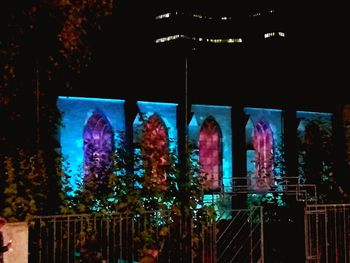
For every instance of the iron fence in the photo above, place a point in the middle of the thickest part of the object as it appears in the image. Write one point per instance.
(327, 235)
(124, 237)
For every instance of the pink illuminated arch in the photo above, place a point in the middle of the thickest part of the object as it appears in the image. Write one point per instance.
(264, 154)
(155, 148)
(210, 153)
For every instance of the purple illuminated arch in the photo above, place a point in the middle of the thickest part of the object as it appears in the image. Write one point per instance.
(98, 145)
(210, 153)
(264, 155)
(155, 148)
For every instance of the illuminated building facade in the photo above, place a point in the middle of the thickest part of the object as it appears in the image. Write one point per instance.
(224, 78)
(91, 129)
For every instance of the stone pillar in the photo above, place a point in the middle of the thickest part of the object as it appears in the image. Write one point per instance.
(18, 233)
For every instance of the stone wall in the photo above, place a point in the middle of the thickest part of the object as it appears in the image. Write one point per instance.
(18, 233)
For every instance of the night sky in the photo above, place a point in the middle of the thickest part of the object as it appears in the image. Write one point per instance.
(308, 69)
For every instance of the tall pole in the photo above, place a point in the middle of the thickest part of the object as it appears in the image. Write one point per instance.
(186, 101)
(37, 93)
(186, 254)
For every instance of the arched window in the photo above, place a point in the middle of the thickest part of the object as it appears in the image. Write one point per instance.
(155, 149)
(210, 153)
(264, 155)
(98, 145)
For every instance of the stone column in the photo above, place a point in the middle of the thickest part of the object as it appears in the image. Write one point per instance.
(18, 233)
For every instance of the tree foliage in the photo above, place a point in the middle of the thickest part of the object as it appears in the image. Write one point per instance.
(29, 186)
(135, 185)
(52, 35)
(44, 45)
(316, 160)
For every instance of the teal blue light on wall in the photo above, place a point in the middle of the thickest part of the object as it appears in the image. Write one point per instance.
(75, 112)
(305, 117)
(222, 116)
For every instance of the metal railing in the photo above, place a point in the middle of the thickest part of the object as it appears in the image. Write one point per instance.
(122, 238)
(327, 233)
(119, 238)
(240, 239)
(291, 186)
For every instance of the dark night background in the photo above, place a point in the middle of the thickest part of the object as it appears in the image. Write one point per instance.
(306, 69)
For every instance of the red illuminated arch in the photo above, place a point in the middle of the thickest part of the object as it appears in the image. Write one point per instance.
(210, 153)
(155, 148)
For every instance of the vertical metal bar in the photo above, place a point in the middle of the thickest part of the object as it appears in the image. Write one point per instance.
(107, 238)
(180, 238)
(306, 231)
(60, 254)
(68, 238)
(170, 235)
(344, 234)
(312, 234)
(115, 239)
(317, 239)
(120, 237)
(40, 243)
(251, 234)
(208, 244)
(47, 241)
(262, 235)
(326, 232)
(81, 230)
(347, 235)
(74, 238)
(132, 240)
(54, 236)
(212, 242)
(203, 244)
(335, 234)
(128, 239)
(213, 232)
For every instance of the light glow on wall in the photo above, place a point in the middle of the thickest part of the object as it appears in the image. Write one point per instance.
(264, 156)
(99, 145)
(210, 153)
(76, 112)
(263, 142)
(155, 149)
(167, 113)
(222, 116)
